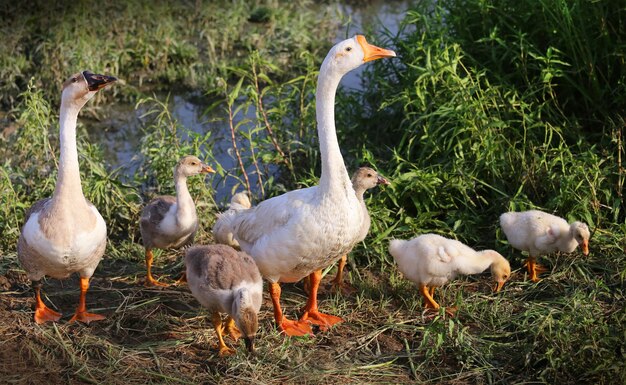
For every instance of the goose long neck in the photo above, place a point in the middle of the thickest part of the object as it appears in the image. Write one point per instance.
(68, 186)
(359, 191)
(184, 201)
(477, 262)
(334, 173)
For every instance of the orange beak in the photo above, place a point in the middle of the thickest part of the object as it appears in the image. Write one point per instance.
(498, 286)
(585, 247)
(371, 52)
(207, 169)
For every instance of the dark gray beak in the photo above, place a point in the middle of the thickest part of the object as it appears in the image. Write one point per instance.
(249, 344)
(96, 82)
(381, 180)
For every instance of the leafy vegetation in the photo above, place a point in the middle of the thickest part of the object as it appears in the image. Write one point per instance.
(492, 106)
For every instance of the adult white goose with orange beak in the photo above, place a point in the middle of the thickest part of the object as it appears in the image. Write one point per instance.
(296, 234)
(65, 234)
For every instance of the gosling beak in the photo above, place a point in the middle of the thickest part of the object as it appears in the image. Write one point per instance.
(249, 343)
(381, 180)
(585, 247)
(96, 82)
(498, 286)
(206, 169)
(371, 52)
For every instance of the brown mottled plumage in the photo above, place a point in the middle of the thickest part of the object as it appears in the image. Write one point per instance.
(169, 222)
(228, 281)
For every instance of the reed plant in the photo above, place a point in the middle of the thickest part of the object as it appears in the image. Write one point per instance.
(168, 44)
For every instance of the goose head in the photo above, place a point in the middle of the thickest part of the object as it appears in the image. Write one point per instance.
(82, 86)
(366, 178)
(352, 53)
(191, 165)
(580, 232)
(500, 269)
(246, 317)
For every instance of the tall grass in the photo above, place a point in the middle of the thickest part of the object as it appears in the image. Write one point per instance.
(499, 106)
(472, 143)
(168, 44)
(492, 106)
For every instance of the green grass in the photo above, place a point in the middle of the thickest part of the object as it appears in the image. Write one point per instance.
(491, 106)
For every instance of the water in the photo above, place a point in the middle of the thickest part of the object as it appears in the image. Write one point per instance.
(121, 133)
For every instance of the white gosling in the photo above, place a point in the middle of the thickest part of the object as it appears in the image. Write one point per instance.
(296, 234)
(65, 233)
(222, 232)
(540, 233)
(431, 260)
(169, 222)
(226, 281)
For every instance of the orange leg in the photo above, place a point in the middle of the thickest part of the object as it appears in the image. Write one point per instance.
(311, 312)
(217, 325)
(426, 293)
(338, 281)
(534, 269)
(43, 313)
(81, 311)
(289, 327)
(232, 329)
(150, 281)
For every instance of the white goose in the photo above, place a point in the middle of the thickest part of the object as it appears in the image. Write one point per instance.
(222, 232)
(65, 233)
(541, 233)
(363, 179)
(431, 260)
(299, 233)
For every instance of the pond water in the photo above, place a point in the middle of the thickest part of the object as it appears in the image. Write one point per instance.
(121, 134)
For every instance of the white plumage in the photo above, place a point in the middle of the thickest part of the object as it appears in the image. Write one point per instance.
(65, 233)
(431, 261)
(222, 231)
(540, 233)
(299, 233)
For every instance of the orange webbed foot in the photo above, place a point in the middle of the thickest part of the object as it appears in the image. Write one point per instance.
(325, 321)
(232, 330)
(151, 282)
(85, 317)
(534, 269)
(225, 351)
(182, 280)
(45, 314)
(451, 311)
(295, 328)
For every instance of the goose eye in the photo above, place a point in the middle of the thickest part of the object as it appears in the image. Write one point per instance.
(348, 49)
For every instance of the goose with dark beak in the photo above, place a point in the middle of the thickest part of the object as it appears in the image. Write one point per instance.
(65, 233)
